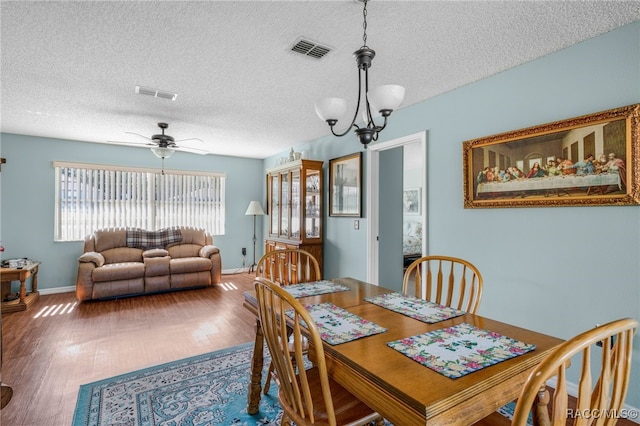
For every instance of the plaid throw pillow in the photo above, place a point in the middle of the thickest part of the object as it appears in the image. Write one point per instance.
(153, 239)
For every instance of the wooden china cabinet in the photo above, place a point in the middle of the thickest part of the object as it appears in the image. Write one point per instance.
(294, 191)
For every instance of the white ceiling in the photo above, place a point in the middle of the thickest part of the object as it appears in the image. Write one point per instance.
(69, 69)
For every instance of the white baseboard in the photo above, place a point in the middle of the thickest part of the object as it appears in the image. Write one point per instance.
(243, 270)
(55, 290)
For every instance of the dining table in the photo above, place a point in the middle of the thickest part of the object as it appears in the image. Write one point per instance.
(402, 390)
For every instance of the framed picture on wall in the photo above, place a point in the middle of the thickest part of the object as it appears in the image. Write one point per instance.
(345, 186)
(411, 201)
(591, 160)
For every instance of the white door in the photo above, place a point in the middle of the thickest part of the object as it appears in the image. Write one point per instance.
(374, 174)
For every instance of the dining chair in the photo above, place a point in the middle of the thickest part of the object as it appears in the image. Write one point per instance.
(285, 267)
(289, 266)
(445, 280)
(308, 396)
(597, 404)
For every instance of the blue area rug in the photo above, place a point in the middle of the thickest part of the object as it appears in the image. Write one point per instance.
(208, 389)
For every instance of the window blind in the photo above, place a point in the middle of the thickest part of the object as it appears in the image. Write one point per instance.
(90, 197)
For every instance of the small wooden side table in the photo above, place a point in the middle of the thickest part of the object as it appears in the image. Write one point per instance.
(14, 274)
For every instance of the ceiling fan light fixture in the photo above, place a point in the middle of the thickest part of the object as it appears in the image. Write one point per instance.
(162, 152)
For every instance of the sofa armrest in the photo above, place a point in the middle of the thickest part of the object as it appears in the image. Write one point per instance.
(154, 253)
(208, 251)
(93, 257)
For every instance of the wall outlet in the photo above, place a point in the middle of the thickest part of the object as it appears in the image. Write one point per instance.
(244, 251)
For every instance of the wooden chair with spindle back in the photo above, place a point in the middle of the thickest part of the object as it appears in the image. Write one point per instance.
(289, 266)
(598, 404)
(285, 267)
(308, 396)
(445, 280)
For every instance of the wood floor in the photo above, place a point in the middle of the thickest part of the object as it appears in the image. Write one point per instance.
(58, 345)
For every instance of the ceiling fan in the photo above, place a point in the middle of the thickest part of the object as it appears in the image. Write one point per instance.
(163, 145)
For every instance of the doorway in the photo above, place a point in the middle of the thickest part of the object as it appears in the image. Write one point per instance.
(384, 239)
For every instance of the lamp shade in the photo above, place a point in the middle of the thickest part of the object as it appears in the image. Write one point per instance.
(387, 97)
(254, 209)
(161, 152)
(331, 108)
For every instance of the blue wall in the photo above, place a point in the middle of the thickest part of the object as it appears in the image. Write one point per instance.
(28, 199)
(557, 270)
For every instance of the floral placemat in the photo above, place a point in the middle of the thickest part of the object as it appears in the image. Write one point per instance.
(460, 350)
(337, 325)
(419, 309)
(314, 288)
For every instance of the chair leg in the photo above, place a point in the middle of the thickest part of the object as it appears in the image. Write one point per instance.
(267, 385)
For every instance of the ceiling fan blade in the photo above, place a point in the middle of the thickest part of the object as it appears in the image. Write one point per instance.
(138, 134)
(193, 150)
(191, 139)
(141, 144)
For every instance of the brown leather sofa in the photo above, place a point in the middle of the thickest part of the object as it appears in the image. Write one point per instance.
(126, 262)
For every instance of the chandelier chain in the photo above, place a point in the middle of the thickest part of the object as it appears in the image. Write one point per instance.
(364, 24)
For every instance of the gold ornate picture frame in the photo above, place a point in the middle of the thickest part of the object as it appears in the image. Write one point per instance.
(591, 160)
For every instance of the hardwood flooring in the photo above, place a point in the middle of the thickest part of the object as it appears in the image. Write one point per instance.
(57, 345)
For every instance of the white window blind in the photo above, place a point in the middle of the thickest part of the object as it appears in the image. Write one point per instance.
(90, 197)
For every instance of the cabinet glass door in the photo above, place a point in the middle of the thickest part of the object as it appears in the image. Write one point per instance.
(295, 204)
(275, 204)
(312, 203)
(285, 203)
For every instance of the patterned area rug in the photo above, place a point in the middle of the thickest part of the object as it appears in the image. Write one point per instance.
(209, 389)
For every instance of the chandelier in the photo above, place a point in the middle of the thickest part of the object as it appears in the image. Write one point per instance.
(382, 99)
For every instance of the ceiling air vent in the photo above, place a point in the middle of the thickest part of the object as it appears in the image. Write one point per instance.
(310, 48)
(156, 93)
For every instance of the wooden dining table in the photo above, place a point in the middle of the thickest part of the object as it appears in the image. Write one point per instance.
(402, 390)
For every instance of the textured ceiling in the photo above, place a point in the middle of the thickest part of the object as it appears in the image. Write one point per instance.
(69, 69)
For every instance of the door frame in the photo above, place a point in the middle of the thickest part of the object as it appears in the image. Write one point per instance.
(373, 197)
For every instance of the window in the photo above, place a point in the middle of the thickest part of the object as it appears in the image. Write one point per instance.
(91, 196)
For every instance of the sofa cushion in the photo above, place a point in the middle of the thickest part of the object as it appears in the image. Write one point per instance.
(153, 239)
(189, 264)
(122, 254)
(110, 238)
(195, 236)
(118, 271)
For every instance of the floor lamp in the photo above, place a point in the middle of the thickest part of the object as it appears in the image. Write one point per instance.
(254, 209)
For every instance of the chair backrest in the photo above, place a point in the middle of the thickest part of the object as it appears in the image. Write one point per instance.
(290, 266)
(287, 346)
(596, 405)
(445, 280)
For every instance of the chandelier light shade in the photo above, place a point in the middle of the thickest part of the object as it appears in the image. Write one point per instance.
(162, 152)
(331, 109)
(385, 98)
(382, 100)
